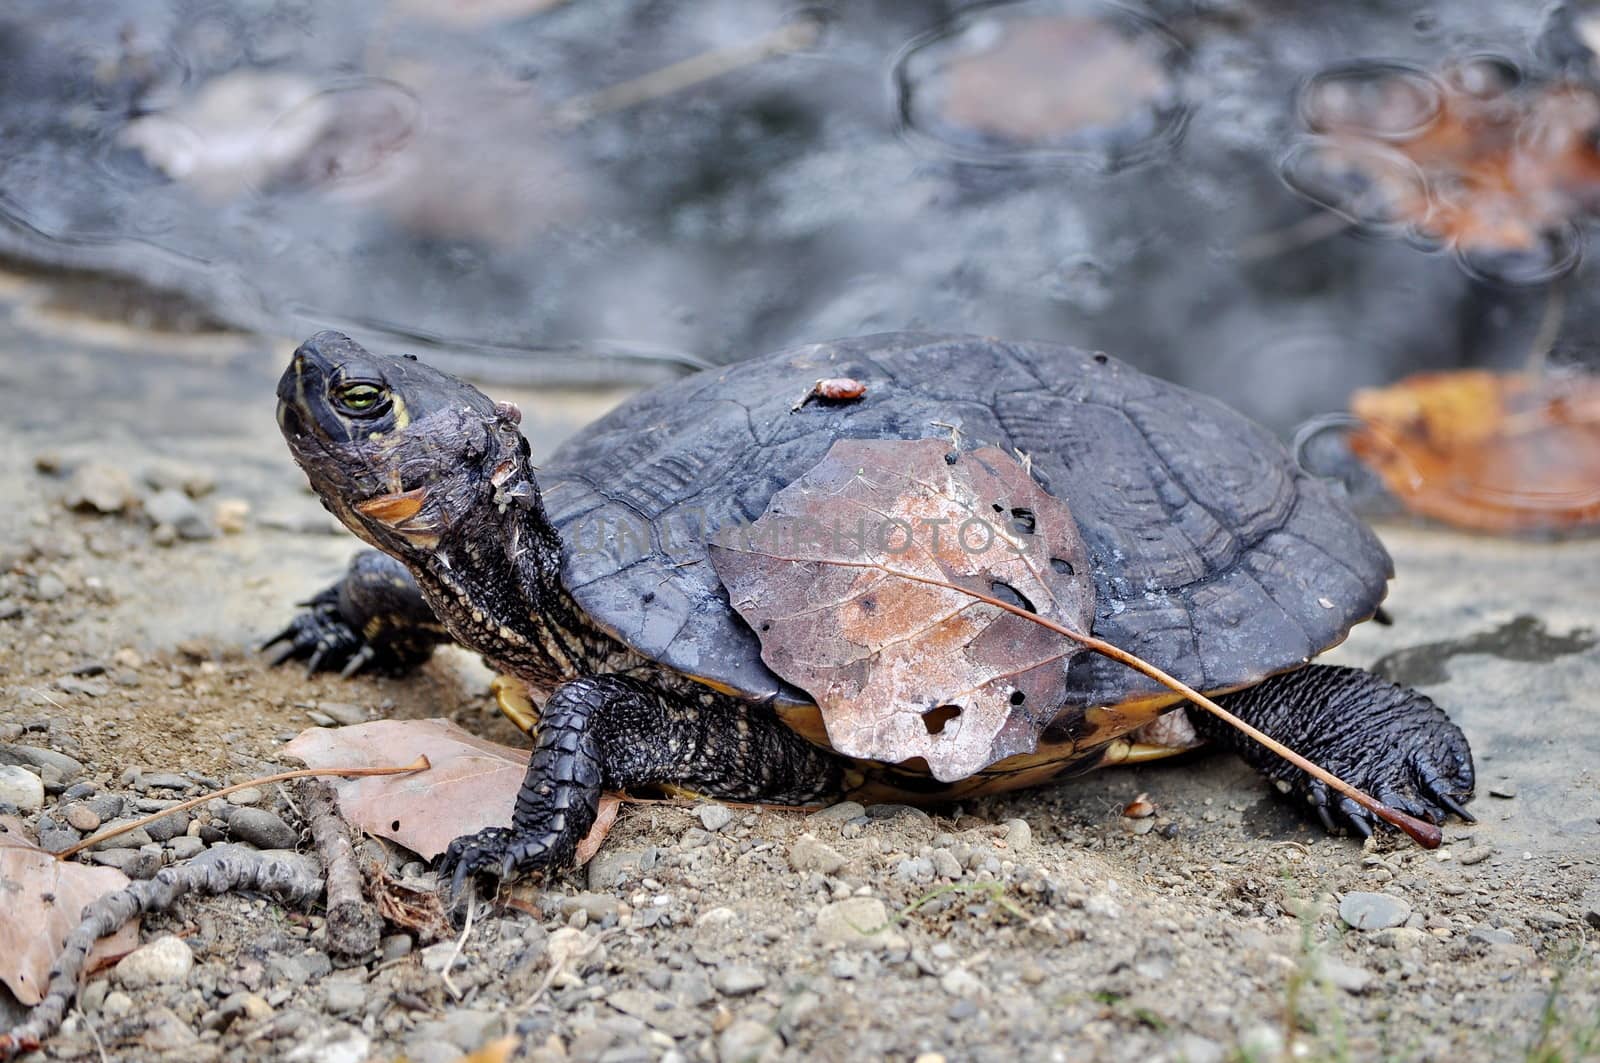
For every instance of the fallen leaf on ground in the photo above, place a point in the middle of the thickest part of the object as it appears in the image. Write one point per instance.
(610, 805)
(838, 576)
(44, 900)
(1502, 452)
(471, 784)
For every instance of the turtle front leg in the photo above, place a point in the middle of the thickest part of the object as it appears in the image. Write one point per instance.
(611, 732)
(374, 619)
(1388, 740)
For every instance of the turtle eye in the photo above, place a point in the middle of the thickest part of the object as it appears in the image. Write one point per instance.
(361, 399)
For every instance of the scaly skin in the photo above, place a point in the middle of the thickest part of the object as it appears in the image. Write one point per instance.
(434, 474)
(612, 732)
(1388, 740)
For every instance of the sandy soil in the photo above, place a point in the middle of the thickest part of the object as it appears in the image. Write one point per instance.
(1042, 923)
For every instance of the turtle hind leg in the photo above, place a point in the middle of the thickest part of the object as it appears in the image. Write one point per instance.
(1388, 740)
(611, 732)
(374, 620)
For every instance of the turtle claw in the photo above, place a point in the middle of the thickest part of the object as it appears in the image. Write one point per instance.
(362, 657)
(1452, 805)
(320, 636)
(1355, 817)
(499, 852)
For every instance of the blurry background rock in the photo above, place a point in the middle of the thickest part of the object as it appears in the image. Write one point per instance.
(618, 190)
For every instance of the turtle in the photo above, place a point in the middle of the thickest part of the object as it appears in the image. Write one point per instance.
(1213, 556)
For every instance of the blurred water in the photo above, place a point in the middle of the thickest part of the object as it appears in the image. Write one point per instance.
(605, 189)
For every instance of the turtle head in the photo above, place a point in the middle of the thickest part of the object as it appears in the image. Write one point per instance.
(405, 455)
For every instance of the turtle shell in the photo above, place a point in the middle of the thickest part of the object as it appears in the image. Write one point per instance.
(1213, 555)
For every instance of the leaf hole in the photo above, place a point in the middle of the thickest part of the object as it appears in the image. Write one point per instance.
(766, 626)
(1010, 595)
(937, 717)
(1062, 566)
(1023, 520)
(998, 508)
(1018, 697)
(1099, 359)
(394, 825)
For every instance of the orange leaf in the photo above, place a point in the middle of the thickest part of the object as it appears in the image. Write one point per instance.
(471, 784)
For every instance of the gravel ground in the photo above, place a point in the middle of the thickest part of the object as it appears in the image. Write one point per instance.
(1043, 924)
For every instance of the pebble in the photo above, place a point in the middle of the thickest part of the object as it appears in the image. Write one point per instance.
(842, 812)
(597, 906)
(748, 1041)
(960, 982)
(1102, 905)
(165, 961)
(611, 867)
(100, 488)
(22, 788)
(1401, 937)
(809, 854)
(1373, 911)
(9, 609)
(91, 688)
(168, 827)
(737, 979)
(343, 712)
(300, 969)
(1348, 978)
(1476, 855)
(176, 510)
(116, 1004)
(1262, 1042)
(714, 817)
(1192, 1048)
(54, 839)
(1019, 836)
(914, 869)
(1592, 917)
(186, 848)
(1503, 788)
(262, 829)
(250, 795)
(135, 863)
(945, 864)
(48, 588)
(340, 995)
(42, 758)
(81, 817)
(132, 839)
(1491, 935)
(858, 922)
(164, 780)
(232, 515)
(655, 1010)
(424, 1051)
(165, 474)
